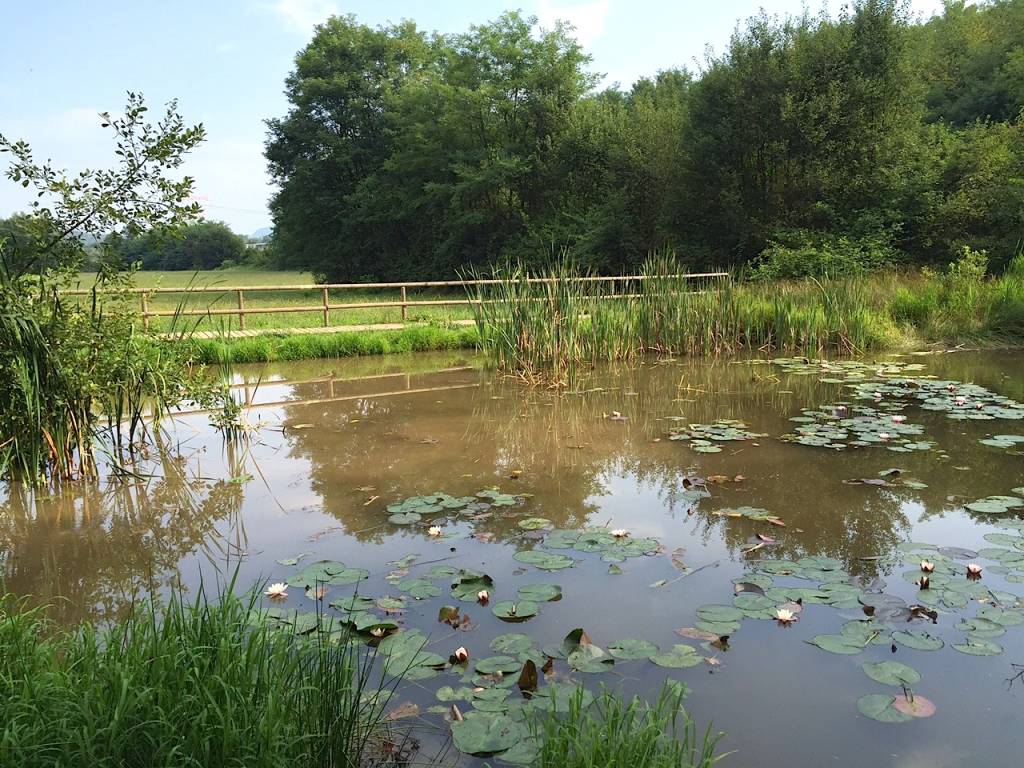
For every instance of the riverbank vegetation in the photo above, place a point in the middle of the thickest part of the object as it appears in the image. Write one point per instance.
(810, 145)
(550, 331)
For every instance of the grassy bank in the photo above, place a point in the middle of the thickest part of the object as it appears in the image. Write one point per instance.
(272, 348)
(551, 331)
(193, 686)
(208, 684)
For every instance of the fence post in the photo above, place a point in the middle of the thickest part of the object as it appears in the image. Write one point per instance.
(145, 310)
(404, 299)
(241, 310)
(327, 310)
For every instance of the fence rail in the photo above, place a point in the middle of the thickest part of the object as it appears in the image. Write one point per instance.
(325, 306)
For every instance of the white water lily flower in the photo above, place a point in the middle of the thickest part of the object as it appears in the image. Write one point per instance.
(461, 654)
(878, 395)
(483, 596)
(620, 533)
(960, 400)
(277, 591)
(927, 566)
(434, 530)
(377, 631)
(884, 435)
(897, 419)
(973, 570)
(785, 616)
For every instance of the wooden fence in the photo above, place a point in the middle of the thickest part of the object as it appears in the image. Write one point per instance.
(325, 306)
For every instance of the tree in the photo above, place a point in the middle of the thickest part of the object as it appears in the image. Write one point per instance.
(204, 245)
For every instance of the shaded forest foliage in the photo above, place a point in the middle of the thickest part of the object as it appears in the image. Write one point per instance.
(852, 141)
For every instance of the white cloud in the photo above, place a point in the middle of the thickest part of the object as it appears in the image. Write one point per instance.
(302, 15)
(587, 18)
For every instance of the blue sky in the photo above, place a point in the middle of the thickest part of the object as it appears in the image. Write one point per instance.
(225, 61)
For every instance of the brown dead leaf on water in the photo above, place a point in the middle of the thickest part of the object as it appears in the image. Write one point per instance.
(370, 501)
(676, 558)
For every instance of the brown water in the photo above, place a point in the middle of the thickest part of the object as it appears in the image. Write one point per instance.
(350, 437)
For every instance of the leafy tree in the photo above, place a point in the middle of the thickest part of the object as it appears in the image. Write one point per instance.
(204, 245)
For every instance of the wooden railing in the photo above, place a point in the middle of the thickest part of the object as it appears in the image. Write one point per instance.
(325, 306)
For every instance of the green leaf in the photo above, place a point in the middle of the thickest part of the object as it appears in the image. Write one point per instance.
(504, 664)
(539, 593)
(547, 561)
(841, 644)
(892, 673)
(878, 706)
(632, 648)
(521, 610)
(978, 647)
(917, 639)
(486, 733)
(680, 657)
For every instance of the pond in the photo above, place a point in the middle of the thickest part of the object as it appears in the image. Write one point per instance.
(718, 522)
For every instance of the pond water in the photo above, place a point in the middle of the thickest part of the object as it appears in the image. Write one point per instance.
(335, 443)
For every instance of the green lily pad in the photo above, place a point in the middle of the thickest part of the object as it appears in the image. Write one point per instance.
(405, 518)
(878, 706)
(487, 733)
(419, 589)
(680, 657)
(470, 584)
(540, 593)
(513, 642)
(504, 664)
(978, 647)
(508, 610)
(719, 613)
(892, 673)
(590, 658)
(632, 648)
(917, 639)
(841, 644)
(546, 561)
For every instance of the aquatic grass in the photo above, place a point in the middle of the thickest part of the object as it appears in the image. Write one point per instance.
(271, 348)
(612, 732)
(188, 684)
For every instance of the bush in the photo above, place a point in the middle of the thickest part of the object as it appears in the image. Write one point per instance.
(795, 254)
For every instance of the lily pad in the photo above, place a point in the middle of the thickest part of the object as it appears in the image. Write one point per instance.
(892, 673)
(540, 593)
(513, 642)
(546, 561)
(504, 664)
(841, 644)
(508, 610)
(918, 639)
(632, 648)
(978, 647)
(680, 657)
(487, 733)
(534, 523)
(879, 706)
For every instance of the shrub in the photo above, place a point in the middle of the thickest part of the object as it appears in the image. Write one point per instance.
(794, 254)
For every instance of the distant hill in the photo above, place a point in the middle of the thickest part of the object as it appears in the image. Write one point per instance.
(262, 233)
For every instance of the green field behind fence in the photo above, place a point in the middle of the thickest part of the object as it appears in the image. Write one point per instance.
(232, 278)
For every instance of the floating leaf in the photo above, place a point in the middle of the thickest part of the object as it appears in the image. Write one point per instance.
(513, 642)
(879, 706)
(632, 648)
(892, 673)
(504, 664)
(978, 647)
(508, 610)
(534, 523)
(547, 561)
(914, 706)
(539, 593)
(917, 639)
(680, 657)
(487, 733)
(841, 644)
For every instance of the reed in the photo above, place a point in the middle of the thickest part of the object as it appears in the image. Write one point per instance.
(189, 684)
(616, 733)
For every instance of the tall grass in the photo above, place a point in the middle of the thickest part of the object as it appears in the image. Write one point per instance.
(551, 330)
(192, 684)
(616, 733)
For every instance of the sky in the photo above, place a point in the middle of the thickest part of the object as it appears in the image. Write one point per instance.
(64, 61)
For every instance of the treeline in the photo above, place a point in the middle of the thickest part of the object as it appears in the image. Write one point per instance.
(811, 143)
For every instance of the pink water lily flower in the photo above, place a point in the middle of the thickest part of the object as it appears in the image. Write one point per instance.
(927, 566)
(973, 571)
(277, 591)
(897, 419)
(483, 596)
(884, 435)
(960, 400)
(620, 533)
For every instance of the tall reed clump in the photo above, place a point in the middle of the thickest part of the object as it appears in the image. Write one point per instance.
(617, 733)
(552, 327)
(188, 685)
